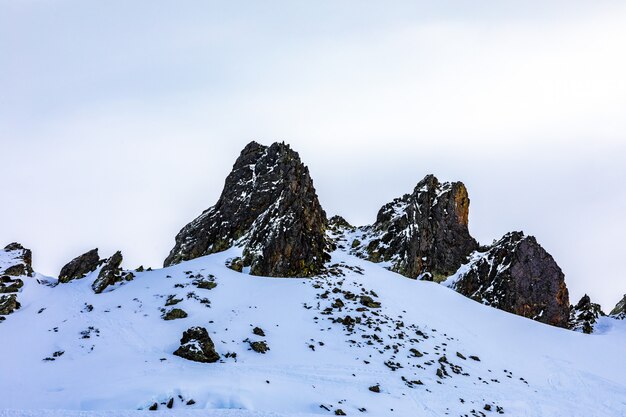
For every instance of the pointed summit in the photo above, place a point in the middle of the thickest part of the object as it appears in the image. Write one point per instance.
(423, 234)
(268, 206)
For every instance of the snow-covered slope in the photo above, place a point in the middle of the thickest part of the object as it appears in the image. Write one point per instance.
(67, 348)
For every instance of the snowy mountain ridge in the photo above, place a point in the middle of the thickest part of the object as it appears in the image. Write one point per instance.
(214, 333)
(362, 340)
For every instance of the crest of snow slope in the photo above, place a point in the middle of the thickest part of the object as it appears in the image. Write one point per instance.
(126, 362)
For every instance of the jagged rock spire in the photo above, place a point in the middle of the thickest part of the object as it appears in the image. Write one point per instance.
(270, 207)
(423, 234)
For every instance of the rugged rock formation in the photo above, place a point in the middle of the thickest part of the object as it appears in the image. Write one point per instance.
(517, 275)
(619, 312)
(196, 345)
(583, 316)
(10, 285)
(423, 234)
(8, 304)
(16, 261)
(80, 266)
(111, 273)
(270, 207)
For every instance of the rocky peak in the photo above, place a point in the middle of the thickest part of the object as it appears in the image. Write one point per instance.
(270, 208)
(517, 275)
(619, 311)
(423, 234)
(16, 260)
(584, 314)
(80, 266)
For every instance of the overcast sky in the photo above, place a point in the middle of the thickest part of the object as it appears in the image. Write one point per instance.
(119, 120)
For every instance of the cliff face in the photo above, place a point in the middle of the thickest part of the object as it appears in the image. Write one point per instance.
(517, 275)
(423, 234)
(270, 207)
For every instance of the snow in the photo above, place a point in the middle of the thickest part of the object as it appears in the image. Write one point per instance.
(128, 364)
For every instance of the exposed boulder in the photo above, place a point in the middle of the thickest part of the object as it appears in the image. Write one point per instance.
(196, 345)
(423, 234)
(8, 304)
(619, 312)
(174, 314)
(80, 266)
(259, 346)
(517, 275)
(16, 260)
(269, 207)
(111, 273)
(583, 316)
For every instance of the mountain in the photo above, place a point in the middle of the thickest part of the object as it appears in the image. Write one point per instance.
(214, 333)
(270, 208)
(423, 234)
(359, 337)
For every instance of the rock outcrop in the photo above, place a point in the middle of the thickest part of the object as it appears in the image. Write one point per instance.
(80, 266)
(423, 234)
(517, 275)
(16, 260)
(197, 346)
(8, 304)
(111, 273)
(10, 285)
(584, 315)
(270, 208)
(619, 312)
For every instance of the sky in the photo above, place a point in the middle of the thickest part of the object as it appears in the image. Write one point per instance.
(119, 120)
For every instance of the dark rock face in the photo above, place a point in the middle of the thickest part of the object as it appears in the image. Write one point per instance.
(270, 207)
(111, 273)
(196, 345)
(619, 312)
(20, 261)
(583, 316)
(517, 275)
(80, 266)
(8, 304)
(423, 234)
